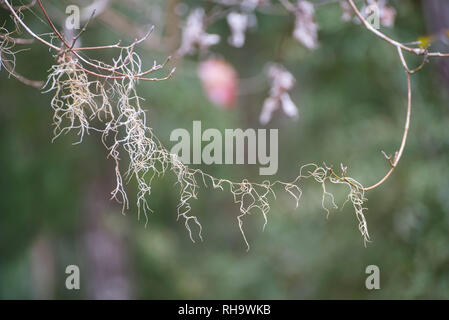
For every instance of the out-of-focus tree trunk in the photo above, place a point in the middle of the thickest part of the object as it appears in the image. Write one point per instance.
(437, 15)
(43, 268)
(108, 271)
(173, 31)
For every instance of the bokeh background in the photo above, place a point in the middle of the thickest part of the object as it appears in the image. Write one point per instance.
(351, 93)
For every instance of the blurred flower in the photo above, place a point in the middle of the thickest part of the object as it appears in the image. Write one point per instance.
(220, 82)
(238, 23)
(194, 34)
(282, 81)
(246, 5)
(306, 29)
(252, 4)
(347, 11)
(387, 14)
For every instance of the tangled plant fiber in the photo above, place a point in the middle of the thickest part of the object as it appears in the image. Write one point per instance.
(79, 103)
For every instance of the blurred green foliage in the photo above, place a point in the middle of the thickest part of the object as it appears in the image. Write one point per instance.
(352, 95)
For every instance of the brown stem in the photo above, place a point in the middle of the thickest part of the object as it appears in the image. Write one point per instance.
(398, 156)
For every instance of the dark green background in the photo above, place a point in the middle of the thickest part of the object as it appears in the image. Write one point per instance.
(351, 93)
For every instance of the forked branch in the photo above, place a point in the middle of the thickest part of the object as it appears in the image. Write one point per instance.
(400, 48)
